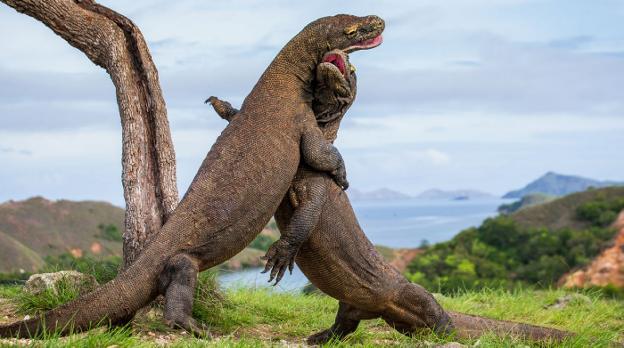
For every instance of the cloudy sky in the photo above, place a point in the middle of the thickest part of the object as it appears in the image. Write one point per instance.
(462, 94)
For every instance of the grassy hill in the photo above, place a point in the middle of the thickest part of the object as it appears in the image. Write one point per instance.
(561, 213)
(35, 228)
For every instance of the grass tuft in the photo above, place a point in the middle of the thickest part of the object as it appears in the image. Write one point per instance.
(28, 303)
(209, 302)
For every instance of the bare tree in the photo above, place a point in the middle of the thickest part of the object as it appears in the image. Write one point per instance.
(113, 42)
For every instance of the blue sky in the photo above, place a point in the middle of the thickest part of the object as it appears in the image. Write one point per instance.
(462, 94)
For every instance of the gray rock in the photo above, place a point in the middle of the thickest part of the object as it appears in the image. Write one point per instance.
(38, 283)
(570, 299)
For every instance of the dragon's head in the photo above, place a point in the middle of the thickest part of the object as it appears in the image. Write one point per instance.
(346, 33)
(349, 33)
(332, 38)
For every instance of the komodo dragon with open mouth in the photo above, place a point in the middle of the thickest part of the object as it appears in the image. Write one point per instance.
(237, 189)
(319, 229)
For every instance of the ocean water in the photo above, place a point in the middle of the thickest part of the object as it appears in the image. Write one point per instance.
(406, 223)
(398, 224)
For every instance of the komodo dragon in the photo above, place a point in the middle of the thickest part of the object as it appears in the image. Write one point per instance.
(237, 189)
(318, 225)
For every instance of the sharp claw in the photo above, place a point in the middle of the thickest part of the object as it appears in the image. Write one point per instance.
(280, 275)
(268, 266)
(277, 267)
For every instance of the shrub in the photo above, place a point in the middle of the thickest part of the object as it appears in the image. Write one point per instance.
(109, 232)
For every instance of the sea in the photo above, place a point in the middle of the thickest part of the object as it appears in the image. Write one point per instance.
(405, 223)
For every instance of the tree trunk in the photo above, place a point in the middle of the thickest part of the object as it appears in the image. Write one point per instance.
(113, 42)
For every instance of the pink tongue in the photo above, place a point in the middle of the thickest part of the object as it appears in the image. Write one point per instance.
(337, 61)
(373, 41)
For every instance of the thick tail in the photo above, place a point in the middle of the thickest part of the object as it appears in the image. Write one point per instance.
(113, 302)
(471, 326)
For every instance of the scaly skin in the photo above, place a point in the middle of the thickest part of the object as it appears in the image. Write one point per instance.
(320, 230)
(237, 189)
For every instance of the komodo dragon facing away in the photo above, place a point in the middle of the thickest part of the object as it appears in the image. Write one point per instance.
(319, 227)
(237, 189)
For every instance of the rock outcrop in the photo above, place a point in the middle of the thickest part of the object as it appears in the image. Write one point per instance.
(38, 283)
(606, 269)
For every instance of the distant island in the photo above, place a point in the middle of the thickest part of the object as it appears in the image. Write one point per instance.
(457, 195)
(380, 194)
(555, 184)
(436, 194)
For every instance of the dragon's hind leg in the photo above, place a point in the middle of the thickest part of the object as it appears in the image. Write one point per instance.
(347, 320)
(177, 283)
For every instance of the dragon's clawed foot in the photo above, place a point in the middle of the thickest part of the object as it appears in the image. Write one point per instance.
(279, 257)
(191, 326)
(320, 337)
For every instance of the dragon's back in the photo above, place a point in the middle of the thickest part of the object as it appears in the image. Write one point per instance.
(237, 188)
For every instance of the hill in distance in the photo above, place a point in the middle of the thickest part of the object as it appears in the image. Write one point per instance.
(555, 184)
(35, 228)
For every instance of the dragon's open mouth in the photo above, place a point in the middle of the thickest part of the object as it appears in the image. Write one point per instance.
(338, 61)
(365, 44)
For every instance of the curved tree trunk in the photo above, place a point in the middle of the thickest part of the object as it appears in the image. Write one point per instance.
(113, 42)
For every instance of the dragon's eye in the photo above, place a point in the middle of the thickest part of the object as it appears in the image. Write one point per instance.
(349, 31)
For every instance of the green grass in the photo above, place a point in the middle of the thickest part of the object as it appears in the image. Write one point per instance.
(28, 303)
(10, 291)
(600, 320)
(262, 317)
(116, 337)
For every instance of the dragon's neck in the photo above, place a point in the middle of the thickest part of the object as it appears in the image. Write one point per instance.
(290, 74)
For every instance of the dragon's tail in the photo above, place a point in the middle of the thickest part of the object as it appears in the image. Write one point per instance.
(113, 302)
(470, 326)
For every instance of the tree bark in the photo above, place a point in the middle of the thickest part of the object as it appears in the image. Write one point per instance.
(113, 42)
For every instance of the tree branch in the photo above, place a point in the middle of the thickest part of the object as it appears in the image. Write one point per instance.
(113, 42)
